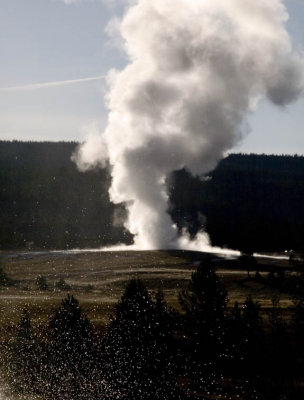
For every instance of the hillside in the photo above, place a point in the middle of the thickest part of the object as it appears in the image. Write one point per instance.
(47, 203)
(250, 202)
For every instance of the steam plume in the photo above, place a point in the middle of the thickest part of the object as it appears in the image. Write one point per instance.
(196, 69)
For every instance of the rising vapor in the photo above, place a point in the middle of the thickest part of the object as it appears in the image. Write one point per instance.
(45, 85)
(196, 69)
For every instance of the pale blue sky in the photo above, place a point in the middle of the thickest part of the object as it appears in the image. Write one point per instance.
(49, 40)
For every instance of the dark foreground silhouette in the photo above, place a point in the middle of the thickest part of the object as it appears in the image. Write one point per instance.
(206, 351)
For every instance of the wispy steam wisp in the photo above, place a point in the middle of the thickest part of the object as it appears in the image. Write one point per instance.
(197, 67)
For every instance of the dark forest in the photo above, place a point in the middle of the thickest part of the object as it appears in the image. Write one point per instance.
(249, 202)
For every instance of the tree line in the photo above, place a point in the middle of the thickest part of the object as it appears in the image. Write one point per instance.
(205, 350)
(249, 202)
(46, 203)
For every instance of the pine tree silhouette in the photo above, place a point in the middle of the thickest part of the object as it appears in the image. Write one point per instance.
(70, 352)
(25, 358)
(204, 305)
(135, 347)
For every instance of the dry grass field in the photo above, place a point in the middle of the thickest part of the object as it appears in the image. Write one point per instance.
(97, 279)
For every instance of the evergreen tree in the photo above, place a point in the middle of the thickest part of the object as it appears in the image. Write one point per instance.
(135, 347)
(247, 360)
(165, 349)
(42, 283)
(5, 280)
(252, 345)
(25, 334)
(234, 337)
(204, 305)
(70, 353)
(25, 358)
(62, 285)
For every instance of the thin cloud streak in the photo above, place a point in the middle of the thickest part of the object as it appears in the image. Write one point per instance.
(46, 85)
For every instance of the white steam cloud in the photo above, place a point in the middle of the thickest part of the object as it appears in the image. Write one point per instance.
(197, 68)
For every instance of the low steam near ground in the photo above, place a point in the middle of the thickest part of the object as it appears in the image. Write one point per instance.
(196, 69)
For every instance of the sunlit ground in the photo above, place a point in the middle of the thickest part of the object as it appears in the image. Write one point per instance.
(98, 280)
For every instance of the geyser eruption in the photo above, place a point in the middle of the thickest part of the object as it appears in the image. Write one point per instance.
(196, 69)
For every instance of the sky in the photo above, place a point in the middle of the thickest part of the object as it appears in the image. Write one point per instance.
(55, 54)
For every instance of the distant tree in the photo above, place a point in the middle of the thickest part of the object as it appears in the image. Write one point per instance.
(251, 314)
(42, 283)
(62, 285)
(89, 287)
(271, 278)
(247, 261)
(5, 280)
(258, 277)
(276, 319)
